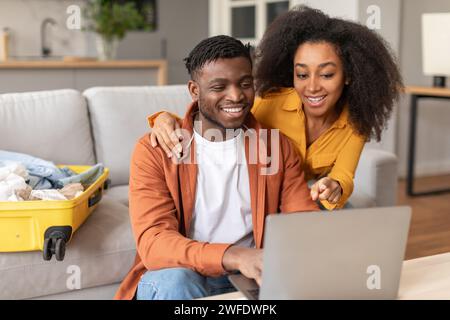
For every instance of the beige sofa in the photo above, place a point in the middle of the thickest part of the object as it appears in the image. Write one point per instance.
(102, 125)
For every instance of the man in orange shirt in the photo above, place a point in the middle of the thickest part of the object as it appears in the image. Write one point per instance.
(197, 218)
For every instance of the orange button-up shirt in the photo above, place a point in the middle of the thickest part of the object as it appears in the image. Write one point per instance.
(162, 197)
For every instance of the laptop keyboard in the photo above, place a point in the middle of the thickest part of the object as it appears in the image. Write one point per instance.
(254, 293)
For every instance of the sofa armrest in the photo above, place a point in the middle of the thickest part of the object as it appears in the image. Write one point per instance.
(376, 176)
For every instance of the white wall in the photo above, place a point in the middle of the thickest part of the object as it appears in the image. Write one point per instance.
(347, 9)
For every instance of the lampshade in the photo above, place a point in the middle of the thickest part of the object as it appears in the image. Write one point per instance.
(436, 44)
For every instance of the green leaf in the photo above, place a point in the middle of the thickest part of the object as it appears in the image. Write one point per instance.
(112, 20)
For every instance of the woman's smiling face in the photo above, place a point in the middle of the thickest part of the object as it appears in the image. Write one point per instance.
(318, 77)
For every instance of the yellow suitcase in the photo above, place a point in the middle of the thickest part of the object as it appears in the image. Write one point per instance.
(47, 225)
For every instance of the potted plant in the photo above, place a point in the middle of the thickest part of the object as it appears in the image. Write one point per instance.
(111, 21)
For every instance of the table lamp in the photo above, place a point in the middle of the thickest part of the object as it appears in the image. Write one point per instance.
(436, 46)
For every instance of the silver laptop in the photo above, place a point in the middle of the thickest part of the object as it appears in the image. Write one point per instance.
(344, 254)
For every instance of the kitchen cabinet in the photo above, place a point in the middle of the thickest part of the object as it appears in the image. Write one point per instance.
(22, 76)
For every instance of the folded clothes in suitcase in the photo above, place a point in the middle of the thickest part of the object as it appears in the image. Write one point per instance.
(48, 225)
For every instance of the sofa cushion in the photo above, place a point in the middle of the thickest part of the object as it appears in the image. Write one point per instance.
(119, 193)
(52, 125)
(102, 251)
(377, 176)
(119, 118)
(360, 199)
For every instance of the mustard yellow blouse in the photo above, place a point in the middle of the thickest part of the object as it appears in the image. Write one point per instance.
(334, 154)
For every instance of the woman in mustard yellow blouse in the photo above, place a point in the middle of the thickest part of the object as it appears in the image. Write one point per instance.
(329, 85)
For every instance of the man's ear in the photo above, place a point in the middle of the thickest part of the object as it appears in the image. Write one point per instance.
(193, 90)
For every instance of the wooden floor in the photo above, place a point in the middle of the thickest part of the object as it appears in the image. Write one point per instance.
(430, 225)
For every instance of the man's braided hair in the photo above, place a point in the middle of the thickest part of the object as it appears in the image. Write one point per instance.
(214, 48)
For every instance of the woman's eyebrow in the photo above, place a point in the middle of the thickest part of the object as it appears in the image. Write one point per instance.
(322, 65)
(325, 64)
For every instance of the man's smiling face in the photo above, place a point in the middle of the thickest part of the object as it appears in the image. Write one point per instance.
(224, 91)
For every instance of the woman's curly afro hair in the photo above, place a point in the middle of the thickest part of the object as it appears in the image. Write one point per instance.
(375, 82)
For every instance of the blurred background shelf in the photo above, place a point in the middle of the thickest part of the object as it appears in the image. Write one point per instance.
(21, 75)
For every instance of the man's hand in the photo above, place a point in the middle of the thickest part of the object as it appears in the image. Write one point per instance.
(326, 189)
(246, 260)
(166, 132)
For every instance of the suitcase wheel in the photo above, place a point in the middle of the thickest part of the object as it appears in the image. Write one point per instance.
(47, 251)
(60, 249)
(54, 246)
(55, 239)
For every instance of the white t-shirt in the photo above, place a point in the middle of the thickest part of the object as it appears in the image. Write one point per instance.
(222, 212)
